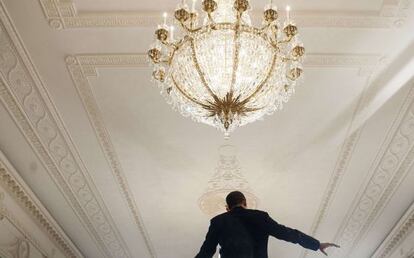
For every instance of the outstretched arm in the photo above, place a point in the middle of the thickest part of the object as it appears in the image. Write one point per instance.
(291, 235)
(209, 246)
(295, 236)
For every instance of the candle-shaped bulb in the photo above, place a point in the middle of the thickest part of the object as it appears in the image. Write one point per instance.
(172, 32)
(270, 5)
(164, 15)
(288, 13)
(193, 8)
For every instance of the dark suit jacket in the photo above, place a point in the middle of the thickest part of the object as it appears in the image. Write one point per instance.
(244, 233)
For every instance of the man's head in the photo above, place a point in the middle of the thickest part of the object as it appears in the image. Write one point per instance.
(235, 199)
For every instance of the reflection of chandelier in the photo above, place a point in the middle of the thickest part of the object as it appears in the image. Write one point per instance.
(226, 72)
(228, 177)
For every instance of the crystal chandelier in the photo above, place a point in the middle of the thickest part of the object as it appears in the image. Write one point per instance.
(223, 71)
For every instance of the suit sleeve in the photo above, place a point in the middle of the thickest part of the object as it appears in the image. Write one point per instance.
(291, 235)
(209, 246)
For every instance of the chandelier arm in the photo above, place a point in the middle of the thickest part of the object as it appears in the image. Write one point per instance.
(198, 68)
(287, 40)
(236, 52)
(187, 95)
(210, 18)
(188, 29)
(264, 28)
(169, 44)
(273, 41)
(270, 72)
(286, 59)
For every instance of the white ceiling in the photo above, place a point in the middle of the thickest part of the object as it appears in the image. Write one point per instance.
(122, 173)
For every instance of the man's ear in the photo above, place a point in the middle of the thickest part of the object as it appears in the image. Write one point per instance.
(227, 208)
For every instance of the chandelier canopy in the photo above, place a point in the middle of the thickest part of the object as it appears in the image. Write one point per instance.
(225, 72)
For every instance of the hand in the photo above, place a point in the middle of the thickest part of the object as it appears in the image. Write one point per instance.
(323, 246)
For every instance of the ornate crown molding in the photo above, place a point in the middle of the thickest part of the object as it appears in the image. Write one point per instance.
(372, 64)
(14, 185)
(19, 248)
(401, 231)
(28, 102)
(335, 179)
(10, 217)
(393, 162)
(80, 68)
(63, 14)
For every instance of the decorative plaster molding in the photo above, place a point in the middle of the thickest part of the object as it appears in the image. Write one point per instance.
(342, 60)
(391, 165)
(62, 14)
(1, 205)
(335, 179)
(80, 68)
(20, 249)
(367, 64)
(346, 152)
(7, 215)
(28, 102)
(404, 228)
(29, 202)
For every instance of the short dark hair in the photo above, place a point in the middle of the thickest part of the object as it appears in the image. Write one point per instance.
(234, 199)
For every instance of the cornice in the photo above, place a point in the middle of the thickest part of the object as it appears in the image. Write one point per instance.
(26, 99)
(80, 68)
(404, 228)
(348, 146)
(342, 162)
(21, 193)
(6, 214)
(393, 162)
(64, 15)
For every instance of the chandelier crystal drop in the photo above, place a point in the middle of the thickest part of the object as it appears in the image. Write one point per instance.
(223, 71)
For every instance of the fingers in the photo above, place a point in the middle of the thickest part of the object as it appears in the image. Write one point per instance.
(334, 245)
(327, 245)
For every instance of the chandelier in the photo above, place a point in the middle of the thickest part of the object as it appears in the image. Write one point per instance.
(223, 71)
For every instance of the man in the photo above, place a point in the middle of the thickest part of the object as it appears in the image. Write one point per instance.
(244, 233)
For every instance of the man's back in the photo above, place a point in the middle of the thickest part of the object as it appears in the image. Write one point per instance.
(244, 233)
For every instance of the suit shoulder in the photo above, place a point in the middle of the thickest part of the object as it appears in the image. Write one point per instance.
(258, 213)
(219, 217)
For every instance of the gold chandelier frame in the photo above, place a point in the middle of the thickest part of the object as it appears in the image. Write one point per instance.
(227, 106)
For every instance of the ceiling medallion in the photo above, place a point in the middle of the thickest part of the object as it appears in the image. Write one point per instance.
(228, 177)
(223, 71)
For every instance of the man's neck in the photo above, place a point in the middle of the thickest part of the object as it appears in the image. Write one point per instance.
(238, 207)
